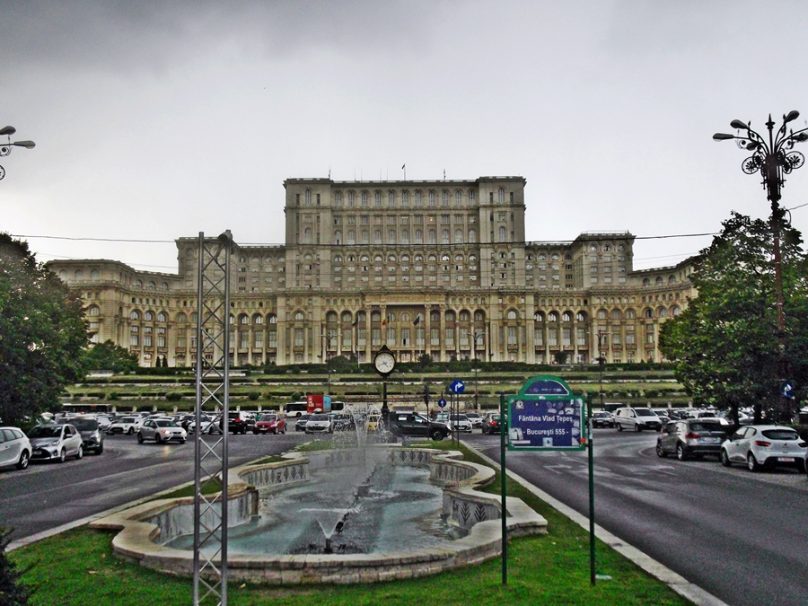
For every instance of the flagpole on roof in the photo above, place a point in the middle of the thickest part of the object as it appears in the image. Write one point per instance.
(404, 168)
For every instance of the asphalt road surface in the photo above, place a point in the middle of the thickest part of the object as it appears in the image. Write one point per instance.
(742, 536)
(47, 495)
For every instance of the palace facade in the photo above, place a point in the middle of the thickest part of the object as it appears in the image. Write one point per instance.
(435, 267)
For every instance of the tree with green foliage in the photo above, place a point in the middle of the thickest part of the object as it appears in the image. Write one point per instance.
(11, 592)
(42, 334)
(725, 345)
(108, 356)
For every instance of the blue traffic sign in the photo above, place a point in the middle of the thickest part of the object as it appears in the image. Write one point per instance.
(787, 390)
(442, 403)
(457, 386)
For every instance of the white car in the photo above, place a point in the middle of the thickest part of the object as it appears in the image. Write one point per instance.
(209, 425)
(161, 430)
(128, 424)
(759, 446)
(319, 423)
(636, 419)
(476, 419)
(460, 423)
(15, 448)
(55, 442)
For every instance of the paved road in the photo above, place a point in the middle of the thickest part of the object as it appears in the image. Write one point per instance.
(741, 536)
(47, 495)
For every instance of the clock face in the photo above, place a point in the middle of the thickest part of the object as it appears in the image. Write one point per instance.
(384, 362)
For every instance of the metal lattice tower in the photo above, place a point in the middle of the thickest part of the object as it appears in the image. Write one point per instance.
(212, 398)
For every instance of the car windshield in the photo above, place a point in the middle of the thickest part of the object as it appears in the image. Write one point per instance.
(494, 417)
(45, 431)
(600, 414)
(644, 412)
(705, 426)
(267, 417)
(781, 434)
(126, 420)
(166, 423)
(85, 424)
(318, 418)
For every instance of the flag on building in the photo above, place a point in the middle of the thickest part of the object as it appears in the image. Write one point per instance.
(417, 320)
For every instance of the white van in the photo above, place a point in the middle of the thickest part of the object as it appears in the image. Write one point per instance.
(636, 419)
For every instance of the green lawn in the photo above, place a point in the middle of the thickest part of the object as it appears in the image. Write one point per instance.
(78, 567)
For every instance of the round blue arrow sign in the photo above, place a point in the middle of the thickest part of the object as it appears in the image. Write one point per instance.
(457, 387)
(441, 402)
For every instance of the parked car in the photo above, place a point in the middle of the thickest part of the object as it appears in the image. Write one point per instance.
(209, 424)
(319, 423)
(91, 435)
(128, 425)
(663, 414)
(691, 438)
(374, 421)
(238, 422)
(476, 419)
(460, 423)
(343, 421)
(161, 430)
(15, 447)
(636, 419)
(300, 424)
(270, 423)
(760, 446)
(491, 423)
(409, 423)
(55, 442)
(602, 418)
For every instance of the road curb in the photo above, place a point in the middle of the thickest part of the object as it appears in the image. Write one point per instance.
(676, 582)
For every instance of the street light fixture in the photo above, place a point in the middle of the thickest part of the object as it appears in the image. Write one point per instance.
(601, 360)
(772, 156)
(5, 148)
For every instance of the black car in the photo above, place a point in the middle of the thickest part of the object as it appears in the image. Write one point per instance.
(343, 422)
(415, 424)
(300, 424)
(239, 422)
(92, 437)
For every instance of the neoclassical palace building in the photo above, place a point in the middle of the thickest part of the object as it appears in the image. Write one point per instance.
(435, 267)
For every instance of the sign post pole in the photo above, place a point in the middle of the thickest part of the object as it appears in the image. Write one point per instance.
(591, 456)
(503, 432)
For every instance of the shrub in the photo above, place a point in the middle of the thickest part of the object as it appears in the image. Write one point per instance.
(173, 396)
(254, 395)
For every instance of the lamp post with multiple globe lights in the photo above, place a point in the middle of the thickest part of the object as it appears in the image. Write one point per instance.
(5, 148)
(773, 156)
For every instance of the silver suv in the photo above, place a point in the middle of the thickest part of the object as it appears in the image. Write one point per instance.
(636, 419)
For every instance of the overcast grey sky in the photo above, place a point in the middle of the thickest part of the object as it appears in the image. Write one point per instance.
(157, 120)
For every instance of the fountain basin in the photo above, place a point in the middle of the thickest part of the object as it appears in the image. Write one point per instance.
(145, 529)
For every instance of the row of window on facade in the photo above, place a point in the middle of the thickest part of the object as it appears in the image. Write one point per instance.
(94, 274)
(403, 237)
(403, 198)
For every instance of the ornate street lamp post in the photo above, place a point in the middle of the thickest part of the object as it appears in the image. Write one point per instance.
(773, 156)
(601, 360)
(5, 148)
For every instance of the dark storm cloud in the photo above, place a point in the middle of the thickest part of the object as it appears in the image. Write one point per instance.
(114, 34)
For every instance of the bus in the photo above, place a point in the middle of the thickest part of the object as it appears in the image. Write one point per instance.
(313, 403)
(82, 408)
(297, 409)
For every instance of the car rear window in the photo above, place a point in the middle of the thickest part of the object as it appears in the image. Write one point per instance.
(85, 424)
(268, 417)
(781, 434)
(702, 426)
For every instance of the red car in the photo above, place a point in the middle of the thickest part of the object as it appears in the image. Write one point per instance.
(270, 423)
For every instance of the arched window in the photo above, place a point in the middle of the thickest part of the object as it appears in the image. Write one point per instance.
(299, 316)
(134, 315)
(616, 315)
(538, 317)
(272, 319)
(148, 316)
(512, 315)
(95, 274)
(602, 314)
(648, 312)
(502, 234)
(630, 314)
(566, 317)
(552, 317)
(162, 316)
(258, 319)
(181, 318)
